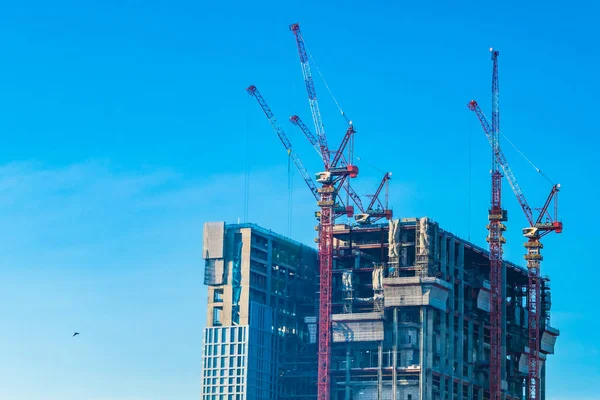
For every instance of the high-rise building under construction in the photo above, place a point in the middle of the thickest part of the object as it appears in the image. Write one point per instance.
(410, 315)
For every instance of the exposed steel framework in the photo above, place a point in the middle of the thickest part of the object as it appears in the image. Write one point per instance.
(539, 227)
(496, 216)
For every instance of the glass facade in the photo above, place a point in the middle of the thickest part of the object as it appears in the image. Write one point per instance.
(225, 361)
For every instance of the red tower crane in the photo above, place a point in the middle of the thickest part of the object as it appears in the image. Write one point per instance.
(539, 227)
(326, 221)
(496, 216)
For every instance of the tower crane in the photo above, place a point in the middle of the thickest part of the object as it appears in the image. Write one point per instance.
(496, 216)
(543, 224)
(331, 169)
(367, 215)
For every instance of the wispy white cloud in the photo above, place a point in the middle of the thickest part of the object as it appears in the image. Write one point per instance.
(108, 250)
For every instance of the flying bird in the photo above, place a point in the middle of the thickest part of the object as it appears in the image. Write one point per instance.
(75, 334)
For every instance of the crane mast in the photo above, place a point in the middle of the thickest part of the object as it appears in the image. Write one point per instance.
(544, 224)
(496, 217)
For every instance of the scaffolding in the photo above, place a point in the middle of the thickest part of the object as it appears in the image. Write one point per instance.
(347, 291)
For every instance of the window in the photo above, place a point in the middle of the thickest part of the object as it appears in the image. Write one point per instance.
(217, 317)
(258, 266)
(259, 241)
(409, 397)
(218, 296)
(258, 254)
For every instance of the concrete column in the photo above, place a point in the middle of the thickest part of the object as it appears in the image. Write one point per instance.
(461, 316)
(403, 250)
(347, 388)
(429, 353)
(379, 377)
(481, 357)
(443, 342)
(395, 355)
(503, 325)
(543, 382)
(443, 259)
(451, 353)
(451, 256)
(269, 272)
(451, 317)
(422, 345)
(470, 358)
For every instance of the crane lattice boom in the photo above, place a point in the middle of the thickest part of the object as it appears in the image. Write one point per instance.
(253, 91)
(312, 94)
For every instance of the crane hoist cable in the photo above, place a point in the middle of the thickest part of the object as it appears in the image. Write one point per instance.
(290, 192)
(327, 86)
(247, 166)
(370, 165)
(538, 170)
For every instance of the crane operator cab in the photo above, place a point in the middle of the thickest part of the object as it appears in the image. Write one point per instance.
(530, 232)
(362, 218)
(323, 177)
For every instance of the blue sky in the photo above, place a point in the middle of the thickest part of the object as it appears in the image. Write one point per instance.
(126, 126)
